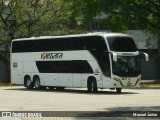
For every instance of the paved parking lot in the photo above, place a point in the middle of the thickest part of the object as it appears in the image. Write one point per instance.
(18, 98)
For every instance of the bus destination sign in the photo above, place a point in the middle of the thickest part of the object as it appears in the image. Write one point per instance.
(127, 54)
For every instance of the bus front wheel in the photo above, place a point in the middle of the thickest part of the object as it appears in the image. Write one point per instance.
(92, 85)
(89, 86)
(119, 90)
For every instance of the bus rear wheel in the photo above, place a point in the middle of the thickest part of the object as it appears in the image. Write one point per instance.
(37, 83)
(28, 83)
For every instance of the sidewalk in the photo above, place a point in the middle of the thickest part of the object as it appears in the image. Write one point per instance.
(8, 84)
(150, 83)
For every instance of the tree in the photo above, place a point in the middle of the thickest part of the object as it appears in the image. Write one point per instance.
(87, 10)
(26, 18)
(19, 16)
(142, 14)
(145, 14)
(58, 21)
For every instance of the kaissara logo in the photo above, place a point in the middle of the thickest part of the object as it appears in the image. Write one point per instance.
(127, 54)
(51, 56)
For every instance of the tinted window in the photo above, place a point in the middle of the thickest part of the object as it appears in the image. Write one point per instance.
(103, 61)
(60, 44)
(81, 66)
(95, 43)
(122, 44)
(127, 66)
(35, 45)
(76, 66)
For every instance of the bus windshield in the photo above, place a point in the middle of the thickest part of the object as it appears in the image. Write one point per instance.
(127, 66)
(122, 44)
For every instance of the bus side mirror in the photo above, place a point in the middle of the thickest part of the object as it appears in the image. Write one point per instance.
(114, 57)
(146, 56)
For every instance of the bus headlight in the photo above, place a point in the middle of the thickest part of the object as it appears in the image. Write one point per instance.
(118, 80)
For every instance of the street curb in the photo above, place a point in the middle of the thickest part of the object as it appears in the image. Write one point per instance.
(150, 84)
(8, 84)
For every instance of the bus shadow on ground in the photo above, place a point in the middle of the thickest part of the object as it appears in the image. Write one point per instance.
(72, 91)
(116, 112)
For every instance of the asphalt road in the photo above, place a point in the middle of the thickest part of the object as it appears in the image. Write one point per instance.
(18, 98)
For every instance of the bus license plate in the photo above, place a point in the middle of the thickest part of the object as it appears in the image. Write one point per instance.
(129, 84)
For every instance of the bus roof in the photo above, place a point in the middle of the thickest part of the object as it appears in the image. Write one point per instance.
(103, 34)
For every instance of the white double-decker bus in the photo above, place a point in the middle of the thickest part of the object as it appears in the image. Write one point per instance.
(92, 61)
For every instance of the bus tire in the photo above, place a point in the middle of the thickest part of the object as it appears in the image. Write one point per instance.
(89, 86)
(27, 82)
(119, 90)
(94, 84)
(37, 83)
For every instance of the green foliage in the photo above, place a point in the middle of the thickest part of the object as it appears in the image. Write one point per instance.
(149, 44)
(86, 10)
(144, 14)
(26, 18)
